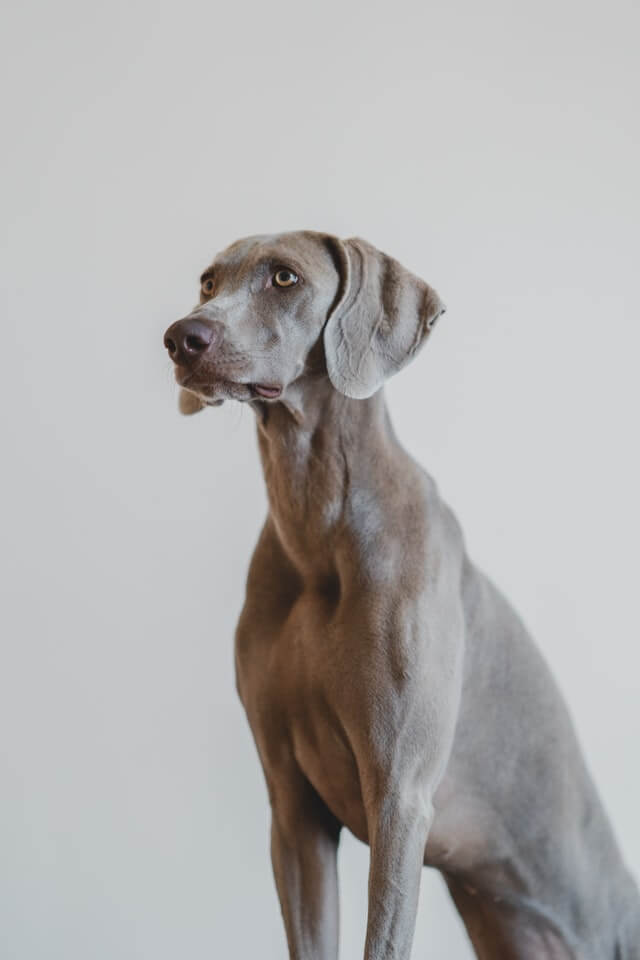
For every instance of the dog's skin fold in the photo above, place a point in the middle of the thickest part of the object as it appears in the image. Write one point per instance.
(390, 687)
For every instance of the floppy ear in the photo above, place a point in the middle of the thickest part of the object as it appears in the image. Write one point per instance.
(380, 321)
(188, 403)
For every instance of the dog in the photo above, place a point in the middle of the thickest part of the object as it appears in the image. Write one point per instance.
(390, 687)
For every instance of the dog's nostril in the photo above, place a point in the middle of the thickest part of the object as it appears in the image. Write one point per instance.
(195, 343)
(187, 339)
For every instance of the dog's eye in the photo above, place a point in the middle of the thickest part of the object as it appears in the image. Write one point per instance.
(285, 277)
(207, 287)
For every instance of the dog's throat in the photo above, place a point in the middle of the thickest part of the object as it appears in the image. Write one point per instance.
(314, 456)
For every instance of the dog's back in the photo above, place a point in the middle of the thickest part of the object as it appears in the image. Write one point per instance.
(538, 846)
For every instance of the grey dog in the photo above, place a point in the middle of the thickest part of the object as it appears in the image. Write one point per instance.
(389, 685)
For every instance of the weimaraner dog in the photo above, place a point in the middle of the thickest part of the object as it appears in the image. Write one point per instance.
(389, 686)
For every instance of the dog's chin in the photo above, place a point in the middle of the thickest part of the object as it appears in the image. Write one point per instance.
(213, 392)
(209, 401)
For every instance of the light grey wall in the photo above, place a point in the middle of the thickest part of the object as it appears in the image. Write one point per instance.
(494, 149)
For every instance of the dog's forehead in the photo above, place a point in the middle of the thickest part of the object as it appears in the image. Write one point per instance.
(302, 249)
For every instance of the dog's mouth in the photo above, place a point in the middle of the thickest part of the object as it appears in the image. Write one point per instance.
(215, 392)
(267, 391)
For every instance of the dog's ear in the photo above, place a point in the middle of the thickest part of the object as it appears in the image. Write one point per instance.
(380, 320)
(188, 403)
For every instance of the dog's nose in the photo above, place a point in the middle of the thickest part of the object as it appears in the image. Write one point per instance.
(187, 339)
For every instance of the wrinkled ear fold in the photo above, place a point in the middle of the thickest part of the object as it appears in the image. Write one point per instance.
(381, 319)
(188, 403)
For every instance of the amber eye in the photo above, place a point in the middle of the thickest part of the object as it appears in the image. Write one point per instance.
(207, 287)
(285, 277)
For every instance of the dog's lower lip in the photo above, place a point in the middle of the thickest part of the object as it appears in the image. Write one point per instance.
(267, 391)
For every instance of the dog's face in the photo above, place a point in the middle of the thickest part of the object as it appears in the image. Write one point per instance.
(263, 303)
(274, 308)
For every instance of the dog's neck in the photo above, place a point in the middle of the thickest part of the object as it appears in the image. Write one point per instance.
(324, 457)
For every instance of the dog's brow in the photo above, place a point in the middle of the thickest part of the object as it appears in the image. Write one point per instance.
(272, 260)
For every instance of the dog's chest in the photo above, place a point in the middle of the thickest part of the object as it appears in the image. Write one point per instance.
(305, 685)
(326, 759)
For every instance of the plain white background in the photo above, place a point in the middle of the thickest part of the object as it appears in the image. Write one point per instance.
(494, 149)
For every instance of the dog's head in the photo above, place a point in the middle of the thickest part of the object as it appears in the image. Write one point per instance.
(274, 309)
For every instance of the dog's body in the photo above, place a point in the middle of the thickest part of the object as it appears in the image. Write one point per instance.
(389, 686)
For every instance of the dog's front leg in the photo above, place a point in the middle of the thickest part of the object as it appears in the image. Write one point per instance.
(304, 845)
(398, 828)
(401, 749)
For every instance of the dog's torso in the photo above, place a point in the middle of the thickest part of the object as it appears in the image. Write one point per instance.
(338, 672)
